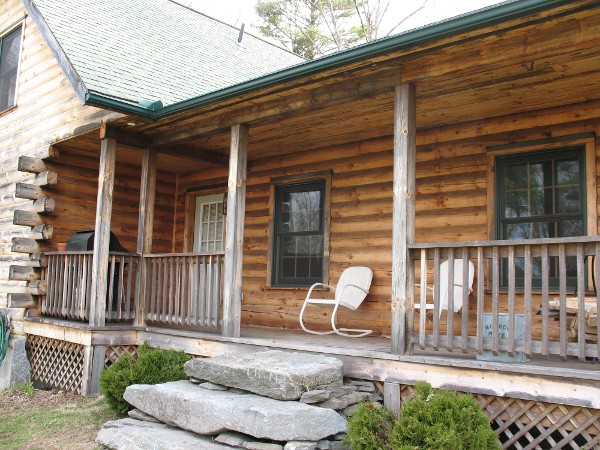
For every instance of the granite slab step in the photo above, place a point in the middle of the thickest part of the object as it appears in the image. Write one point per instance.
(275, 374)
(133, 434)
(207, 412)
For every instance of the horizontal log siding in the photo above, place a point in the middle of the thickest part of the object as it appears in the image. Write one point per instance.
(451, 206)
(47, 111)
(76, 195)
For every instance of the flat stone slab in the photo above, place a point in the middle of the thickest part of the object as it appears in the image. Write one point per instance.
(132, 434)
(276, 374)
(206, 412)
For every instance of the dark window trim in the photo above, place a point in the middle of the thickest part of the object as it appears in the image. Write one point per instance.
(320, 180)
(19, 25)
(501, 161)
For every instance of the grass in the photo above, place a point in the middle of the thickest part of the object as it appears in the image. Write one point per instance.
(31, 419)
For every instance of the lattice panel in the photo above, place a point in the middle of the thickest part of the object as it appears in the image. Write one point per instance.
(528, 424)
(56, 363)
(114, 352)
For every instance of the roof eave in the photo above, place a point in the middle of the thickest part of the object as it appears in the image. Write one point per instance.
(468, 22)
(58, 52)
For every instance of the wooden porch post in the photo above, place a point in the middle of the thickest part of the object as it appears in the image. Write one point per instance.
(145, 229)
(234, 231)
(403, 228)
(106, 179)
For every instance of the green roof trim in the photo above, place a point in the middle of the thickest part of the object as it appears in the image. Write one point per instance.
(509, 10)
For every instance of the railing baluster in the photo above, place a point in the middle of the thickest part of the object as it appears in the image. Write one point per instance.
(88, 288)
(580, 317)
(450, 305)
(436, 299)
(219, 289)
(209, 299)
(480, 298)
(194, 291)
(120, 294)
(528, 307)
(495, 297)
(422, 301)
(545, 300)
(131, 269)
(562, 264)
(511, 300)
(153, 283)
(465, 301)
(163, 312)
(177, 297)
(185, 307)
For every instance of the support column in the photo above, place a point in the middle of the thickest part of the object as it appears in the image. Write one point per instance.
(145, 230)
(403, 228)
(234, 232)
(100, 261)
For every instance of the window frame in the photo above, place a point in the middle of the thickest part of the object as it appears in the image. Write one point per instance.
(11, 29)
(199, 223)
(502, 161)
(323, 178)
(585, 140)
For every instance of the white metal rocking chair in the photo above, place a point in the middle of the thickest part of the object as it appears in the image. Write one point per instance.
(352, 288)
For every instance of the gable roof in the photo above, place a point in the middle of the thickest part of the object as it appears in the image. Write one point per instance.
(150, 49)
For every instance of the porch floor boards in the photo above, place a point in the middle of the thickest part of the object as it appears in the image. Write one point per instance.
(370, 347)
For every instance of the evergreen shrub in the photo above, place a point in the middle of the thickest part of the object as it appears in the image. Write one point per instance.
(432, 419)
(153, 366)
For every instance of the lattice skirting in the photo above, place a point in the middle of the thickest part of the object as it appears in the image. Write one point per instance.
(114, 352)
(529, 424)
(56, 363)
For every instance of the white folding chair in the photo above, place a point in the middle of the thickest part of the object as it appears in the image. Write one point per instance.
(457, 286)
(352, 288)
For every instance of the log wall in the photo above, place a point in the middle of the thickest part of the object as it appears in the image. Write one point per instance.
(451, 205)
(47, 111)
(76, 193)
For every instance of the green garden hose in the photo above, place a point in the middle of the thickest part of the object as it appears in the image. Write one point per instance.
(4, 334)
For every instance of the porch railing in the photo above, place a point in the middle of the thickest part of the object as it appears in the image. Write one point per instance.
(184, 289)
(531, 296)
(69, 280)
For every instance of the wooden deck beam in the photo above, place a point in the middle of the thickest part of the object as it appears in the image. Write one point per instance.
(106, 180)
(403, 223)
(234, 232)
(145, 228)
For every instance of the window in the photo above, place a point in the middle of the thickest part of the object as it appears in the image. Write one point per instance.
(9, 63)
(208, 229)
(299, 234)
(541, 195)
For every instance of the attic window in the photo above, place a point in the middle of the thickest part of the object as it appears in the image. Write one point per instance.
(10, 45)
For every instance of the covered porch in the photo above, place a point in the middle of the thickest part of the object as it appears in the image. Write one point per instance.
(406, 144)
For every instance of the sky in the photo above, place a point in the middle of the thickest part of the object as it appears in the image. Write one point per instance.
(236, 12)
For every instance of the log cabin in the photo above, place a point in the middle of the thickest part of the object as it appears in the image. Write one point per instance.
(199, 200)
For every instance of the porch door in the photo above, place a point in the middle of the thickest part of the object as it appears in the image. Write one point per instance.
(206, 274)
(208, 223)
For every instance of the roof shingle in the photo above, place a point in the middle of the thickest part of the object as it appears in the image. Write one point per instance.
(156, 49)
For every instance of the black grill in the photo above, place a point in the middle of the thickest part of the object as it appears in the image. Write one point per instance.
(84, 240)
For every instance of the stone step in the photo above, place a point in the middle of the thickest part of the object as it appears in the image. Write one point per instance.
(133, 434)
(275, 374)
(208, 412)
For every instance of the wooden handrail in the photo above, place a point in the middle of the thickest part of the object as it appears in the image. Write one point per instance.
(535, 316)
(68, 276)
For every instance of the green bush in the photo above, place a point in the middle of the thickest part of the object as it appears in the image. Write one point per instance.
(432, 419)
(369, 428)
(442, 419)
(153, 366)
